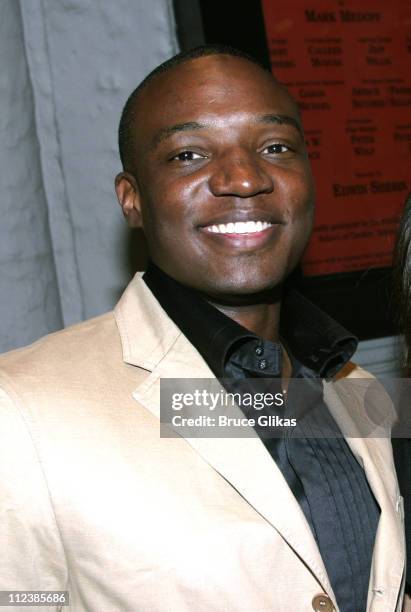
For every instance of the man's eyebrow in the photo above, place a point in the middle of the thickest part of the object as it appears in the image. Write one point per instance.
(281, 120)
(188, 126)
(168, 131)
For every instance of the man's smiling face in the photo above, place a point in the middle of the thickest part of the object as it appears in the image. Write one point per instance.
(221, 183)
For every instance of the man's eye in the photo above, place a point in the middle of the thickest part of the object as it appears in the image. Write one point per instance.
(187, 156)
(276, 148)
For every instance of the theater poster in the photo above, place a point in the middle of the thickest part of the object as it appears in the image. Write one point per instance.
(348, 65)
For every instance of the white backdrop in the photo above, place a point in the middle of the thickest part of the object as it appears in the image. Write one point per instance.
(66, 69)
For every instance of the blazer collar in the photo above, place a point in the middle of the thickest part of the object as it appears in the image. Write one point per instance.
(146, 332)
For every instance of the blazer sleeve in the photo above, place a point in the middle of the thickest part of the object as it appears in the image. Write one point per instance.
(32, 555)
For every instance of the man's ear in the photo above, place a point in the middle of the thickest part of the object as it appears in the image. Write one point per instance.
(128, 195)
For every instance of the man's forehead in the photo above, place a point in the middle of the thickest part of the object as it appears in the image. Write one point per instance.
(209, 84)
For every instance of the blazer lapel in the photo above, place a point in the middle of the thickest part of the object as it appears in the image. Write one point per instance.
(243, 462)
(346, 403)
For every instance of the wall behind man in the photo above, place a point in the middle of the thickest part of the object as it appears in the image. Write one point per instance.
(66, 69)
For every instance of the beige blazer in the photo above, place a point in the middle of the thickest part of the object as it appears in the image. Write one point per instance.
(94, 501)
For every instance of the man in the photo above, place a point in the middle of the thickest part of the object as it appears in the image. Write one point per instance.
(93, 500)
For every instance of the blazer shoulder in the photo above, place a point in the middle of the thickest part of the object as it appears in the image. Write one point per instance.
(64, 353)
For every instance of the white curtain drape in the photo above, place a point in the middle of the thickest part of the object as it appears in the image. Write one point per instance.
(67, 67)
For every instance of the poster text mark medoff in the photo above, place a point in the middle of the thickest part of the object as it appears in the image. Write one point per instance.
(349, 67)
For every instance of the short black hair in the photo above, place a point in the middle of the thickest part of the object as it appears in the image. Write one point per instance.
(402, 279)
(125, 140)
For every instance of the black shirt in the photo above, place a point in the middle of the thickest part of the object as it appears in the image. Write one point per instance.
(327, 481)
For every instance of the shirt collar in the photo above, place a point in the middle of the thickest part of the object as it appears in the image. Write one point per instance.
(310, 336)
(208, 329)
(313, 337)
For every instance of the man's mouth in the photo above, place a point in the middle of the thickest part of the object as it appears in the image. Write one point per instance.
(247, 235)
(238, 227)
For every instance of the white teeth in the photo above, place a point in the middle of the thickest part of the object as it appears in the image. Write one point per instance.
(239, 227)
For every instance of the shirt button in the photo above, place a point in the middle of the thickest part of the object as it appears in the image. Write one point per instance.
(322, 603)
(259, 350)
(262, 364)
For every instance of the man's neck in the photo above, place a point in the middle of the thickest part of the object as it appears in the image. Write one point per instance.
(262, 319)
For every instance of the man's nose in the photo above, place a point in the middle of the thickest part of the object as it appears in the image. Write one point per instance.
(240, 175)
